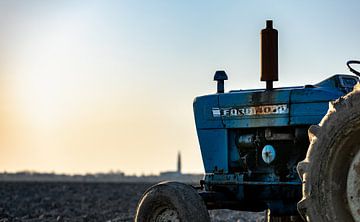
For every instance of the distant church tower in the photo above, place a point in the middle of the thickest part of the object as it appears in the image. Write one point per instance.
(179, 163)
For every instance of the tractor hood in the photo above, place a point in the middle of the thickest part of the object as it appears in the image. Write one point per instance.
(270, 108)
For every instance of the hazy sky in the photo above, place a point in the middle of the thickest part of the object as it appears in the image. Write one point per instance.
(93, 86)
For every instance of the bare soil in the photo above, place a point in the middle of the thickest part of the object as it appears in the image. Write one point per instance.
(112, 202)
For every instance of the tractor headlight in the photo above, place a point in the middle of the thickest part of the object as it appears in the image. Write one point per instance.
(268, 154)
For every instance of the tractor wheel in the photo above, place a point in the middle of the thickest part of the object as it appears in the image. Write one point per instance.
(171, 201)
(331, 170)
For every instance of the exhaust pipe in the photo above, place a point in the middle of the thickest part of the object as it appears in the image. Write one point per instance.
(269, 55)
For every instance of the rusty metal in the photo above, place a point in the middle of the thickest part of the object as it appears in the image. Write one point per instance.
(269, 135)
(269, 55)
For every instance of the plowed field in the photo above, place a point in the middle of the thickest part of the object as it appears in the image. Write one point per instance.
(50, 201)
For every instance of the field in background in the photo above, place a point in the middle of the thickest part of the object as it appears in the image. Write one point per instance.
(112, 202)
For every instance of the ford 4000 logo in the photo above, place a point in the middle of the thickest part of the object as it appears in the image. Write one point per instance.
(250, 111)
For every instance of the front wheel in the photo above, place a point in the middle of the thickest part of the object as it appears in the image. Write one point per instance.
(331, 170)
(170, 202)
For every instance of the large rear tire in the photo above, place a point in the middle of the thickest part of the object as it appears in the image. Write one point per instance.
(171, 201)
(331, 170)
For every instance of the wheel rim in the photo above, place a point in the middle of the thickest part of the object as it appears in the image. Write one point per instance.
(166, 215)
(353, 187)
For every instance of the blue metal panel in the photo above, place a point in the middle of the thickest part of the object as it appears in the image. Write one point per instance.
(308, 113)
(203, 112)
(252, 122)
(309, 105)
(306, 106)
(255, 98)
(313, 95)
(214, 151)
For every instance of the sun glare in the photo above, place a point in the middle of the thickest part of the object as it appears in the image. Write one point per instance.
(48, 68)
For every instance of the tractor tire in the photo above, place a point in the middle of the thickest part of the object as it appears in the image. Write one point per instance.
(170, 202)
(330, 172)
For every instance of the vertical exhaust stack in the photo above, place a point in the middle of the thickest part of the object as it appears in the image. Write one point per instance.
(269, 55)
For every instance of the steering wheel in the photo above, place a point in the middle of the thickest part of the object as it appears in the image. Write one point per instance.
(351, 62)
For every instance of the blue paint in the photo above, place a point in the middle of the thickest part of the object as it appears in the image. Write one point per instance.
(233, 129)
(212, 144)
(203, 112)
(303, 102)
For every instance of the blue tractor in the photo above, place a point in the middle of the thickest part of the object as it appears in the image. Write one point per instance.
(293, 151)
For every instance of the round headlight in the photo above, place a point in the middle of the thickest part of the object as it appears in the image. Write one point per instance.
(268, 154)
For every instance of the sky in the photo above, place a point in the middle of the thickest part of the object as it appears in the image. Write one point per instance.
(94, 86)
